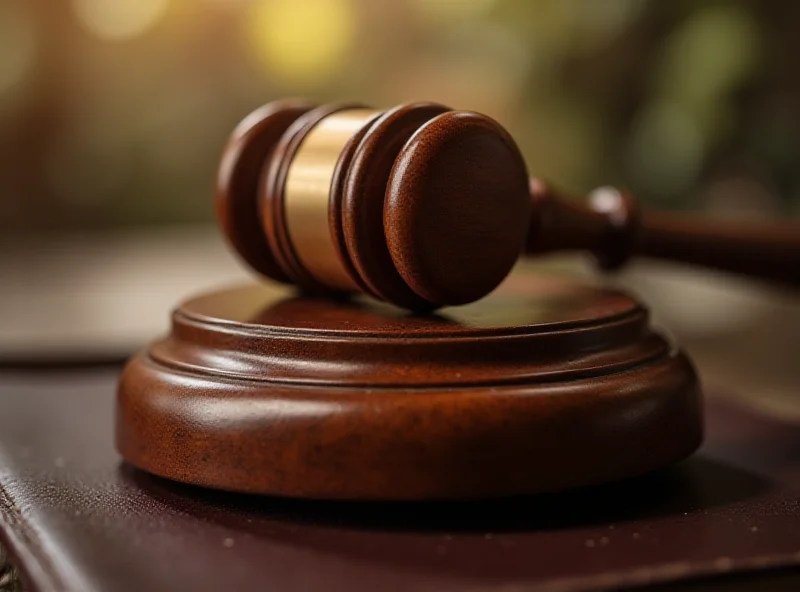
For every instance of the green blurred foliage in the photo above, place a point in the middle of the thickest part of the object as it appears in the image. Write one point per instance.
(111, 118)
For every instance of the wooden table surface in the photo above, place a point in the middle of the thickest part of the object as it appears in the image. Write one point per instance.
(91, 298)
(92, 301)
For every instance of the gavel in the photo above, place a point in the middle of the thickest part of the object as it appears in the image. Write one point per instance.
(423, 206)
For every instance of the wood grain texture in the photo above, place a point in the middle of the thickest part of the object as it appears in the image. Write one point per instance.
(544, 386)
(250, 146)
(96, 523)
(363, 202)
(457, 208)
(335, 211)
(613, 229)
(429, 207)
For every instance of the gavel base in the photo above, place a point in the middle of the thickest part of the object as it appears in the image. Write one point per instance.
(545, 385)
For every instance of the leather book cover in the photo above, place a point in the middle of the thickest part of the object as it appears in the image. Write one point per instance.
(74, 517)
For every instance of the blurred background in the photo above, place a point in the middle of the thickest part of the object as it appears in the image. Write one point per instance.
(113, 114)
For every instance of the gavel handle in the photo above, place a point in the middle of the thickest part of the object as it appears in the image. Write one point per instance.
(613, 229)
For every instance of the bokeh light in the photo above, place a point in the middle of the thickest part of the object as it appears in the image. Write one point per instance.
(302, 42)
(598, 22)
(665, 99)
(113, 115)
(119, 20)
(443, 10)
(17, 44)
(665, 150)
(709, 55)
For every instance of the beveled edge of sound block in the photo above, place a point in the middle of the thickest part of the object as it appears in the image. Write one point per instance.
(263, 393)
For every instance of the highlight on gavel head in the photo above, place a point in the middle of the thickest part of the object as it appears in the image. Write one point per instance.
(420, 205)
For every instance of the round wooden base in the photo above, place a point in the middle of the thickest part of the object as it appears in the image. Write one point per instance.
(544, 385)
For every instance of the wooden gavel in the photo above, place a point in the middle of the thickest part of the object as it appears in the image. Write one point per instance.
(423, 206)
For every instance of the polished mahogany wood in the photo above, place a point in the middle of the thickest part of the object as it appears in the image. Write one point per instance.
(430, 207)
(610, 226)
(363, 203)
(454, 235)
(249, 147)
(545, 385)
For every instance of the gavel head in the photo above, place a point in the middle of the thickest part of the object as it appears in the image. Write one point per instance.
(420, 205)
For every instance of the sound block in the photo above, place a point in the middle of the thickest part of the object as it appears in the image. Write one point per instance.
(542, 386)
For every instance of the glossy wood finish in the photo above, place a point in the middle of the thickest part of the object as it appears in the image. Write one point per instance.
(248, 149)
(456, 208)
(429, 207)
(102, 525)
(613, 229)
(543, 386)
(363, 202)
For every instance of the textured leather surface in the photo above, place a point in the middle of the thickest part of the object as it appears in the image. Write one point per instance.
(75, 518)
